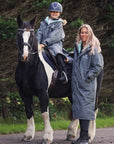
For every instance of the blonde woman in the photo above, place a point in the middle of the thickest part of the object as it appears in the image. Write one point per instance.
(87, 64)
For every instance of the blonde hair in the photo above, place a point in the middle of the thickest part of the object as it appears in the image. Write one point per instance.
(92, 39)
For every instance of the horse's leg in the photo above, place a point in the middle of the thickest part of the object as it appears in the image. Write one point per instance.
(48, 131)
(72, 129)
(92, 127)
(30, 131)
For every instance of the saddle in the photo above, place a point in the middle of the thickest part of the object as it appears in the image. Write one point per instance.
(51, 60)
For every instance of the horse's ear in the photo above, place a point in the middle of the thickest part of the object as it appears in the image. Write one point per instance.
(19, 20)
(32, 21)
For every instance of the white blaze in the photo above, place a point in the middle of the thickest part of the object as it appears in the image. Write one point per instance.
(26, 36)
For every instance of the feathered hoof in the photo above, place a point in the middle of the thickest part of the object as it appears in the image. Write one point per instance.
(46, 142)
(70, 138)
(27, 138)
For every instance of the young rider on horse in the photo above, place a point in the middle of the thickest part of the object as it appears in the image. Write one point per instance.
(51, 35)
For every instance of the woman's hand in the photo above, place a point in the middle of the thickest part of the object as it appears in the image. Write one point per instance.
(66, 60)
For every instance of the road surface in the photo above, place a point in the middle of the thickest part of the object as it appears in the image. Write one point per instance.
(103, 136)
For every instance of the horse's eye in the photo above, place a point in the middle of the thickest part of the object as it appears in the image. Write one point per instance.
(19, 33)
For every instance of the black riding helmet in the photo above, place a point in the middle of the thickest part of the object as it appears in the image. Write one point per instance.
(55, 6)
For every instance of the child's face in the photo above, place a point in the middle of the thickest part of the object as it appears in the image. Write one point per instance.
(84, 34)
(54, 15)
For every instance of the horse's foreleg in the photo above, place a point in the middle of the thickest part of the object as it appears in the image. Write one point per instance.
(72, 129)
(30, 131)
(48, 131)
(92, 127)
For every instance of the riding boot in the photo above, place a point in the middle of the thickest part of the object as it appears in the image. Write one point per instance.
(62, 75)
(83, 139)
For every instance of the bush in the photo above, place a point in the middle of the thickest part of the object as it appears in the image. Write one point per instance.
(77, 23)
(110, 12)
(7, 28)
(15, 105)
(44, 3)
(106, 109)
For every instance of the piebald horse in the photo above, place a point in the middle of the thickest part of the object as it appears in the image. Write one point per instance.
(33, 77)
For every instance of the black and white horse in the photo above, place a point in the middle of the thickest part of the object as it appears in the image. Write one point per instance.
(33, 77)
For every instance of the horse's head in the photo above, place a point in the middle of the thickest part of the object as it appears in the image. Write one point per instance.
(26, 39)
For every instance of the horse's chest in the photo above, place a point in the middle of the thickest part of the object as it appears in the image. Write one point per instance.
(24, 76)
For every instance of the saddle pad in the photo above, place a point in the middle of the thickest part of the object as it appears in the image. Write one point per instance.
(46, 58)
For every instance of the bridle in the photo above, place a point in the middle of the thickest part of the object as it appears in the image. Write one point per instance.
(27, 44)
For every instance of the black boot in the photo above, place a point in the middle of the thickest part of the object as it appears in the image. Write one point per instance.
(83, 139)
(63, 77)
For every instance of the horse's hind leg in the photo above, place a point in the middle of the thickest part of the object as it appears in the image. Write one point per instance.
(72, 129)
(92, 127)
(30, 131)
(48, 131)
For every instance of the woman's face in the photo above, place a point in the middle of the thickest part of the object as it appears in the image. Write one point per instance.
(84, 34)
(54, 15)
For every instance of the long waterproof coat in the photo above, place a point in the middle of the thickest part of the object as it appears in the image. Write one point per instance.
(86, 68)
(51, 35)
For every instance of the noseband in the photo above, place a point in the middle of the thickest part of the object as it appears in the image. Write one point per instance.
(27, 44)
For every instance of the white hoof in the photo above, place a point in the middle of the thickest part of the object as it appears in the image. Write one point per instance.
(30, 131)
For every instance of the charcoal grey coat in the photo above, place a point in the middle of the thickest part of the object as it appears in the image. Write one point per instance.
(51, 35)
(86, 68)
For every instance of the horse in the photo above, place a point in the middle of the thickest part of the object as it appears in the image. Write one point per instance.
(34, 78)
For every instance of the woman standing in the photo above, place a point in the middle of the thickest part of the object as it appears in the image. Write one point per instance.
(87, 64)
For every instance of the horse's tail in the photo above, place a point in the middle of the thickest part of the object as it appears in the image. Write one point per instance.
(70, 115)
(99, 83)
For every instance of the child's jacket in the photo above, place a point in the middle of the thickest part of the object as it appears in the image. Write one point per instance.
(51, 35)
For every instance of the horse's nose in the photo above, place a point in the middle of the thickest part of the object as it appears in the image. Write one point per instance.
(23, 58)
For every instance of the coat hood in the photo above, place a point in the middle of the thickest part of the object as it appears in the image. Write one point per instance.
(48, 20)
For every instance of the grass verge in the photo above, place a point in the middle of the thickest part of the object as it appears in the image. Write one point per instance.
(6, 127)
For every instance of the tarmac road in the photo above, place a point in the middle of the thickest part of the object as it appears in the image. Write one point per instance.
(103, 136)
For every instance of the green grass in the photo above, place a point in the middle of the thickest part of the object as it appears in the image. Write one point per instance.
(6, 127)
(105, 122)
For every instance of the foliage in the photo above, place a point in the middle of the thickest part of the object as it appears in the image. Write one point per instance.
(111, 44)
(110, 19)
(8, 1)
(69, 49)
(110, 12)
(57, 107)
(107, 109)
(77, 23)
(44, 3)
(7, 28)
(15, 106)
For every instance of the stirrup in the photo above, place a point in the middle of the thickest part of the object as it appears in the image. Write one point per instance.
(66, 78)
(63, 78)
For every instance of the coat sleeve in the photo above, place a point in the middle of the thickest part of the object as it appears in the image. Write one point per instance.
(96, 67)
(74, 53)
(55, 36)
(39, 34)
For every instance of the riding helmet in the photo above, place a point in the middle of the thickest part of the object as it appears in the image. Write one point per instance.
(55, 6)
